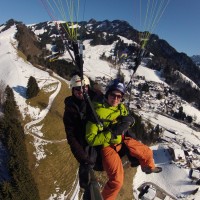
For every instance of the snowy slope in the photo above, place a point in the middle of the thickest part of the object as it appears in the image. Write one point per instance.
(93, 66)
(173, 179)
(15, 72)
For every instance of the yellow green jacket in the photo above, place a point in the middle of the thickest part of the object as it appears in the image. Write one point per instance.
(101, 135)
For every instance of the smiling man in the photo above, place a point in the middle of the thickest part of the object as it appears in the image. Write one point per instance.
(112, 134)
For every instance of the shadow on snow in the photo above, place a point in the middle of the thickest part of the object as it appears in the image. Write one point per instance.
(21, 90)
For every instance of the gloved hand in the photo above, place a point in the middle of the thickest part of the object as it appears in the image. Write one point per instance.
(123, 124)
(119, 128)
(89, 156)
(126, 119)
(87, 161)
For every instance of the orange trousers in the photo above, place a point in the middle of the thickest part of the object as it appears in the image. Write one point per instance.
(113, 166)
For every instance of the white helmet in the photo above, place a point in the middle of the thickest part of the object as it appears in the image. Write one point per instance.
(76, 81)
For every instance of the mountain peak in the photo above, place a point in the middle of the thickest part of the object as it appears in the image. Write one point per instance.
(92, 21)
(196, 59)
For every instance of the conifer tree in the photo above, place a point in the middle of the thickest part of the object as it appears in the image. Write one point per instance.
(19, 183)
(2, 88)
(32, 88)
(9, 106)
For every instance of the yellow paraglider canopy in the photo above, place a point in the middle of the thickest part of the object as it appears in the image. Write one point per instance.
(64, 13)
(150, 13)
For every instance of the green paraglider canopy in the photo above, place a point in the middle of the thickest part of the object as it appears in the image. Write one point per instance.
(149, 14)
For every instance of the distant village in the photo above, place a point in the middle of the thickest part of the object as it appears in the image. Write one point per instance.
(183, 155)
(156, 97)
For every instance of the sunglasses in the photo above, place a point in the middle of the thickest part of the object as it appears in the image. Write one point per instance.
(113, 95)
(79, 88)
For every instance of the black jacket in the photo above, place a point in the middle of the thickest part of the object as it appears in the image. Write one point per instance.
(75, 117)
(74, 120)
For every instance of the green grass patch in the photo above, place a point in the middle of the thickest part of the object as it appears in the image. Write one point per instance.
(30, 150)
(53, 123)
(21, 55)
(41, 100)
(59, 168)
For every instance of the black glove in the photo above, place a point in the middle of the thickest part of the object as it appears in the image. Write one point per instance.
(126, 119)
(123, 124)
(84, 176)
(119, 128)
(87, 161)
(90, 155)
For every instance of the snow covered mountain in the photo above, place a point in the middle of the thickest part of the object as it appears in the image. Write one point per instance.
(152, 98)
(166, 59)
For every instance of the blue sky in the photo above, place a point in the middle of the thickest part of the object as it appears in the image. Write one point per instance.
(179, 25)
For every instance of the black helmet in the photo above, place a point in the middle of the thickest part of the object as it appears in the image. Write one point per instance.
(115, 85)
